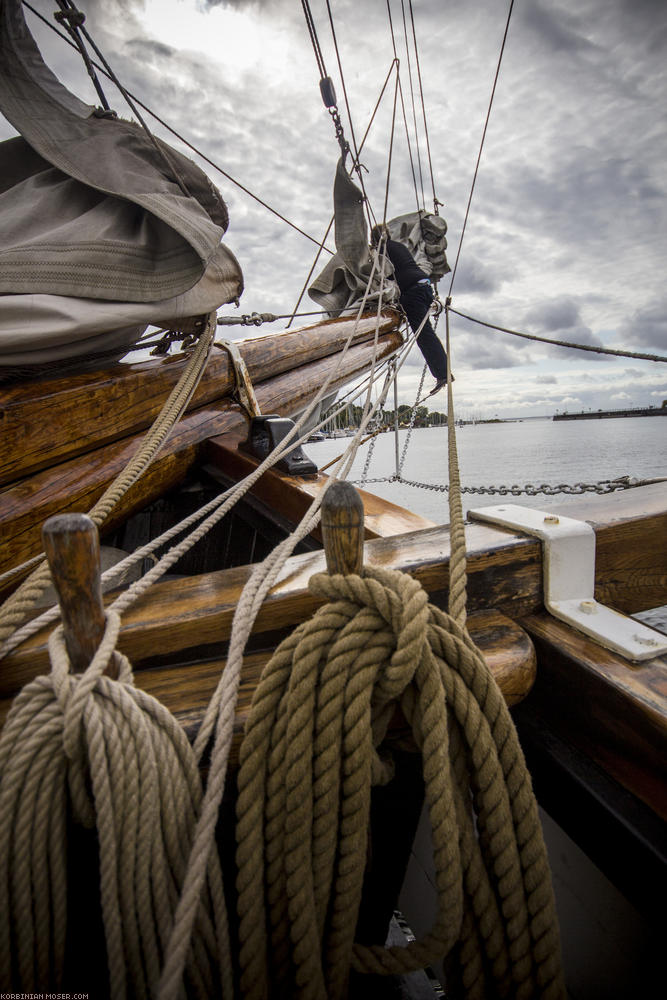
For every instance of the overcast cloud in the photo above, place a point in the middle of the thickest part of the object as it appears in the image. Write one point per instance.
(566, 235)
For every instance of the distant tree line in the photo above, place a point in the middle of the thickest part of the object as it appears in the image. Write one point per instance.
(351, 417)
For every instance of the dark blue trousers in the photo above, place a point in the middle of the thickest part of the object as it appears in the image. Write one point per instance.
(416, 302)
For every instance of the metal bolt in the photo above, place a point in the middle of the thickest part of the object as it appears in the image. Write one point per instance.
(551, 519)
(644, 641)
(588, 607)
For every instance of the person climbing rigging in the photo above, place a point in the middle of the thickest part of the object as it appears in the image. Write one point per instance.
(416, 300)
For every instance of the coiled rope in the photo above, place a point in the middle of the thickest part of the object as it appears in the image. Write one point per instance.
(307, 763)
(308, 759)
(127, 768)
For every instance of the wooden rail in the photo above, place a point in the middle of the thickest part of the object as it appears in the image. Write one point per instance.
(53, 420)
(184, 617)
(75, 485)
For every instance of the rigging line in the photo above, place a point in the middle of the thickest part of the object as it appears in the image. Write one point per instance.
(163, 153)
(436, 203)
(412, 98)
(214, 510)
(310, 273)
(405, 119)
(182, 139)
(67, 17)
(481, 146)
(391, 149)
(394, 64)
(314, 39)
(357, 165)
(562, 343)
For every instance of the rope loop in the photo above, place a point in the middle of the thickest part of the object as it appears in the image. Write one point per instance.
(121, 763)
(401, 603)
(310, 754)
(73, 692)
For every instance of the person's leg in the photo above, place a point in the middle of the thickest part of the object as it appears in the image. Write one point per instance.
(416, 302)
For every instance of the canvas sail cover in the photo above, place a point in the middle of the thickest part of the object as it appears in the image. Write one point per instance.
(424, 234)
(343, 281)
(102, 229)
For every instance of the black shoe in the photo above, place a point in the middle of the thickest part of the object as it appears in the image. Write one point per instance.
(440, 384)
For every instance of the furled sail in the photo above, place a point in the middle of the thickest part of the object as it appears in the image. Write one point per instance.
(103, 229)
(343, 281)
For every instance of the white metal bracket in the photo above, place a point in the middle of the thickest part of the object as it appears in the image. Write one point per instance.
(568, 561)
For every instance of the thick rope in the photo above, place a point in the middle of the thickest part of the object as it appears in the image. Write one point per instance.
(308, 759)
(218, 719)
(457, 559)
(126, 766)
(17, 606)
(211, 513)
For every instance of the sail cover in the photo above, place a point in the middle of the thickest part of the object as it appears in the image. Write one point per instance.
(343, 282)
(103, 229)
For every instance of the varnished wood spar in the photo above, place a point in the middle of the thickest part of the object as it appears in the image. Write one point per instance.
(72, 548)
(187, 689)
(504, 571)
(77, 484)
(47, 422)
(343, 529)
(184, 616)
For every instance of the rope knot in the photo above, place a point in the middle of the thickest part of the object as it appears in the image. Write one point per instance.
(309, 758)
(397, 601)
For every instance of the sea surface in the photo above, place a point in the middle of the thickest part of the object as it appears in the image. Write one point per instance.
(537, 451)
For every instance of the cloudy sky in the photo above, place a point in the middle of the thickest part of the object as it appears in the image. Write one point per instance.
(567, 229)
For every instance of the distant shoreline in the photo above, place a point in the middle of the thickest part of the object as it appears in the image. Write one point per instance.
(652, 411)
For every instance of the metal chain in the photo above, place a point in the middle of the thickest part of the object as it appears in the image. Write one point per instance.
(413, 414)
(530, 489)
(340, 134)
(389, 377)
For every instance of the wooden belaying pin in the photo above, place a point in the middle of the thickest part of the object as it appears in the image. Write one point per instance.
(343, 528)
(72, 548)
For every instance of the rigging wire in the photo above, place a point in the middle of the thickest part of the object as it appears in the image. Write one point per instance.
(75, 19)
(314, 39)
(391, 149)
(327, 89)
(72, 19)
(412, 99)
(436, 202)
(561, 343)
(357, 165)
(182, 139)
(394, 65)
(405, 120)
(481, 147)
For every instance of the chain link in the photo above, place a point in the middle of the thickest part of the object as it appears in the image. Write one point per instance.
(340, 134)
(529, 489)
(413, 415)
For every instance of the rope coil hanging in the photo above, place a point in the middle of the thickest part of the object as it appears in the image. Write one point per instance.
(66, 734)
(308, 759)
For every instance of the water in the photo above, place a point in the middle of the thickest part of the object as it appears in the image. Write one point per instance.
(528, 451)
